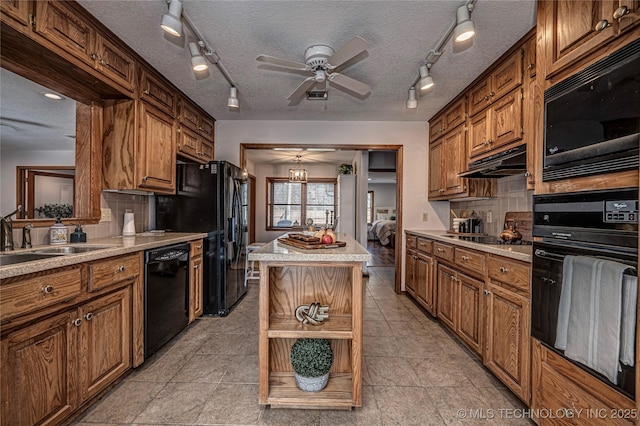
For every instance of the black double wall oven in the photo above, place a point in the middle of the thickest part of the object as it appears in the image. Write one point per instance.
(584, 281)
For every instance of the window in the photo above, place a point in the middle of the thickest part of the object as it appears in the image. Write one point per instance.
(289, 205)
(369, 207)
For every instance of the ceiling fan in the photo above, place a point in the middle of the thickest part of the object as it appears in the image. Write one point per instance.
(320, 64)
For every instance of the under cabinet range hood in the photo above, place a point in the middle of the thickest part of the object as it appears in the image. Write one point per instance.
(507, 163)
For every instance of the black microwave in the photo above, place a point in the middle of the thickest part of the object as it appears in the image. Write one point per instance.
(592, 119)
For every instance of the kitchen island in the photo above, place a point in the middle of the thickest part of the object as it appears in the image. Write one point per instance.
(290, 277)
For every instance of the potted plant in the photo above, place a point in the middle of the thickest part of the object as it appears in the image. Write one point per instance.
(311, 360)
(345, 169)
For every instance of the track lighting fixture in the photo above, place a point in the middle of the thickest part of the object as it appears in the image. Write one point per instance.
(233, 98)
(198, 62)
(426, 81)
(412, 102)
(464, 29)
(171, 22)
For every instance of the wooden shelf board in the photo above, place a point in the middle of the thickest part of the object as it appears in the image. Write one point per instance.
(283, 391)
(335, 327)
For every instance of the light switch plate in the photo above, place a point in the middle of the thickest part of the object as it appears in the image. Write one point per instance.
(489, 216)
(105, 215)
(425, 217)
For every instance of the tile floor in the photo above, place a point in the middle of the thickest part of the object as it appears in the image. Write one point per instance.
(415, 373)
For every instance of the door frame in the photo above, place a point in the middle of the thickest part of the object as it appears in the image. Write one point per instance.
(344, 147)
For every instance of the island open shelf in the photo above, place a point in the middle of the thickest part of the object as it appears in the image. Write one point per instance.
(290, 277)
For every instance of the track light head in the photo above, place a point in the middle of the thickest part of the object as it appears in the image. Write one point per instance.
(233, 98)
(465, 28)
(412, 102)
(426, 81)
(198, 62)
(171, 22)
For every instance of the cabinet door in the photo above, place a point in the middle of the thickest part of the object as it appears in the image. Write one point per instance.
(188, 142)
(39, 362)
(436, 128)
(206, 127)
(113, 62)
(410, 279)
(479, 96)
(424, 282)
(156, 159)
(447, 296)
(436, 185)
(478, 142)
(155, 91)
(529, 62)
(470, 312)
(195, 290)
(630, 19)
(105, 341)
(206, 151)
(58, 23)
(188, 115)
(507, 76)
(16, 13)
(506, 120)
(570, 30)
(454, 161)
(507, 340)
(455, 114)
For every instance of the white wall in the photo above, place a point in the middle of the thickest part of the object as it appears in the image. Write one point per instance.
(384, 194)
(413, 135)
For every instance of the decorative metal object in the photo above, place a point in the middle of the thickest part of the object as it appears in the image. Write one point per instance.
(298, 174)
(312, 314)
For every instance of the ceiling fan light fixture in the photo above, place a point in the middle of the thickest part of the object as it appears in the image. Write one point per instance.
(233, 101)
(298, 174)
(171, 22)
(464, 29)
(198, 62)
(412, 102)
(426, 81)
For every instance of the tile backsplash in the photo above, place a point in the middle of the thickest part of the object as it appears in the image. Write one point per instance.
(513, 196)
(118, 203)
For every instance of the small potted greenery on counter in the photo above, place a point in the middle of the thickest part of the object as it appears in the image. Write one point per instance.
(311, 360)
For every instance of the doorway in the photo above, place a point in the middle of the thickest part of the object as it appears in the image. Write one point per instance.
(398, 149)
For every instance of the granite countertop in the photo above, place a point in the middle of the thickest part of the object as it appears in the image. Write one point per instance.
(278, 252)
(111, 246)
(518, 252)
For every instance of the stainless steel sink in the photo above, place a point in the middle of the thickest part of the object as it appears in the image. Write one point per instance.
(12, 258)
(70, 249)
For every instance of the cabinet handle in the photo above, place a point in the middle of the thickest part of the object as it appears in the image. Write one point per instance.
(196, 266)
(121, 268)
(48, 289)
(486, 98)
(527, 174)
(94, 56)
(146, 92)
(103, 62)
(89, 316)
(601, 25)
(145, 177)
(486, 292)
(492, 94)
(199, 246)
(620, 12)
(531, 66)
(77, 322)
(439, 250)
(503, 269)
(490, 141)
(465, 258)
(440, 190)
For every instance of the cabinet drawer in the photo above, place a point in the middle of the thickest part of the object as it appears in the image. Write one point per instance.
(197, 248)
(412, 241)
(443, 251)
(38, 291)
(471, 260)
(513, 273)
(155, 91)
(108, 272)
(423, 245)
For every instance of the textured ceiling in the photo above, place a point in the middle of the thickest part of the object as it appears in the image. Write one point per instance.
(400, 35)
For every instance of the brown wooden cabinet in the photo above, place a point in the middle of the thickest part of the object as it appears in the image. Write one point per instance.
(452, 116)
(411, 281)
(195, 134)
(196, 305)
(508, 323)
(447, 296)
(156, 91)
(16, 13)
(419, 276)
(497, 126)
(114, 62)
(503, 79)
(469, 322)
(139, 147)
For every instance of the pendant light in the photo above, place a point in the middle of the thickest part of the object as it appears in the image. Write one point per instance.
(198, 62)
(233, 102)
(412, 102)
(426, 81)
(298, 174)
(465, 28)
(171, 22)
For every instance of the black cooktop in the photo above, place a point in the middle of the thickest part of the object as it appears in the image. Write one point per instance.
(484, 239)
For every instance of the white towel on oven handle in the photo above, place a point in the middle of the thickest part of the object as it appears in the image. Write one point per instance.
(628, 327)
(590, 313)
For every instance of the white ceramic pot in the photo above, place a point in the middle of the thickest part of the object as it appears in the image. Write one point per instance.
(311, 384)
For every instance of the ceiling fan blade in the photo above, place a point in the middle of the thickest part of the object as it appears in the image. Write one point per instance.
(349, 83)
(302, 89)
(356, 46)
(282, 62)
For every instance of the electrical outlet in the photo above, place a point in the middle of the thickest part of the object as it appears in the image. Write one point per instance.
(489, 216)
(425, 216)
(105, 215)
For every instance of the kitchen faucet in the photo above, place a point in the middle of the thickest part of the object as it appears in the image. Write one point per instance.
(6, 230)
(26, 236)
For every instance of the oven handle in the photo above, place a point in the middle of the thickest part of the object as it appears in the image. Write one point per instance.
(553, 256)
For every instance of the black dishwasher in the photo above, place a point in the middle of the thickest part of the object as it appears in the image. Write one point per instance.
(166, 295)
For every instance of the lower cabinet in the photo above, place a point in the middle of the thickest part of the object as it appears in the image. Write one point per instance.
(51, 367)
(419, 280)
(196, 305)
(447, 296)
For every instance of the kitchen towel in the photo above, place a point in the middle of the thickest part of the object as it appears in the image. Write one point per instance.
(590, 313)
(628, 328)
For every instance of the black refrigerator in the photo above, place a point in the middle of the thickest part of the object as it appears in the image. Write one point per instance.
(212, 198)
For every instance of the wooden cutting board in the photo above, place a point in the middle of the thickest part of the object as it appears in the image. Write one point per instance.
(310, 245)
(523, 223)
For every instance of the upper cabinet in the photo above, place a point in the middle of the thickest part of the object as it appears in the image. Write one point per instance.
(195, 133)
(157, 92)
(506, 77)
(575, 29)
(16, 12)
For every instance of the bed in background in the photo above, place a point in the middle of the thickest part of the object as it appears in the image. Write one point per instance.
(383, 227)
